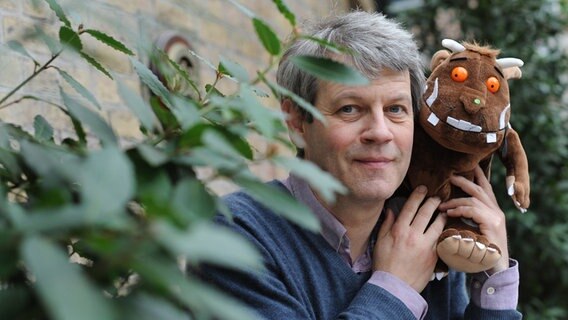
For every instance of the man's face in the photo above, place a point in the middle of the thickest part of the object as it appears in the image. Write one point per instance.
(367, 142)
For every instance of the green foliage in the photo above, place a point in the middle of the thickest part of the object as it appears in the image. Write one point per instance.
(97, 231)
(529, 30)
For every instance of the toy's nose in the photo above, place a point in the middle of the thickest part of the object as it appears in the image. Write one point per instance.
(472, 102)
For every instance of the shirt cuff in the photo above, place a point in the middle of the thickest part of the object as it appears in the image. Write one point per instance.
(499, 291)
(401, 290)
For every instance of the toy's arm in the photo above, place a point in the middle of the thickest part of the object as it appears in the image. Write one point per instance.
(515, 160)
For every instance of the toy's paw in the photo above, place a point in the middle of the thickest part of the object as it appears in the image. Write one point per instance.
(519, 191)
(466, 251)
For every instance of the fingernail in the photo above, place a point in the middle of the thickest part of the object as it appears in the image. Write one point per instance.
(421, 189)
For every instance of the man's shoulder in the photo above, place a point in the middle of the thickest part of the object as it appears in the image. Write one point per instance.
(245, 209)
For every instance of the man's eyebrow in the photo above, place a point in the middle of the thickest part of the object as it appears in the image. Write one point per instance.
(501, 73)
(458, 59)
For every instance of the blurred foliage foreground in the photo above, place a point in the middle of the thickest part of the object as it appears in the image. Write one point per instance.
(125, 217)
(535, 31)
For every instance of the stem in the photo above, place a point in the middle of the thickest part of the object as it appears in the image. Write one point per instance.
(33, 75)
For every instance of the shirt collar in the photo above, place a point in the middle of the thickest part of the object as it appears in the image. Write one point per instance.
(332, 230)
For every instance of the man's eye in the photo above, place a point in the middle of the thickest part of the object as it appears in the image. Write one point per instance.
(347, 109)
(395, 109)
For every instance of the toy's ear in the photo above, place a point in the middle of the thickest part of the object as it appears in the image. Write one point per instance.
(438, 58)
(513, 73)
(511, 67)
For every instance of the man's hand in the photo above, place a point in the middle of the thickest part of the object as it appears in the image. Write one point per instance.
(482, 208)
(406, 246)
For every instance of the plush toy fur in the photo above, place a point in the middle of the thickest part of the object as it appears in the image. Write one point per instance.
(463, 121)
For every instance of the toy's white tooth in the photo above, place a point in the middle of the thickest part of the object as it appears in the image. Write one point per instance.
(468, 126)
(491, 137)
(433, 276)
(440, 275)
(453, 122)
(432, 98)
(502, 117)
(433, 119)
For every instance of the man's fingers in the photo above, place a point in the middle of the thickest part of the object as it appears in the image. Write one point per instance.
(480, 178)
(425, 213)
(411, 206)
(437, 226)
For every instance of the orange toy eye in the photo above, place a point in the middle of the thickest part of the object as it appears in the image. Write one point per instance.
(492, 84)
(459, 74)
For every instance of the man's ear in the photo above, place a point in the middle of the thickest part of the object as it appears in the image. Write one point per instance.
(294, 121)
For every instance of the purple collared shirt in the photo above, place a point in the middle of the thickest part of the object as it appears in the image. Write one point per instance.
(499, 291)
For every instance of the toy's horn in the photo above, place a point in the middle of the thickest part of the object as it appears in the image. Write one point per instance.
(510, 62)
(453, 45)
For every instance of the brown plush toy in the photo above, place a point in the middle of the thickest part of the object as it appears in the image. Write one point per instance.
(463, 121)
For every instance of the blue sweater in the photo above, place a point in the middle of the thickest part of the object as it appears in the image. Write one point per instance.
(306, 279)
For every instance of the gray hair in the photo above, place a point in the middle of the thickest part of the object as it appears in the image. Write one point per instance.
(376, 43)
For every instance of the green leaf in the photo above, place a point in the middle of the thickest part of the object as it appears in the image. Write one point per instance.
(110, 41)
(323, 182)
(279, 90)
(204, 300)
(107, 181)
(139, 106)
(243, 9)
(142, 306)
(267, 37)
(19, 48)
(52, 44)
(330, 70)
(280, 202)
(153, 156)
(329, 45)
(59, 12)
(218, 143)
(95, 64)
(264, 118)
(97, 125)
(203, 157)
(14, 300)
(150, 79)
(192, 201)
(53, 165)
(70, 38)
(186, 112)
(10, 164)
(42, 129)
(181, 71)
(285, 11)
(206, 242)
(4, 136)
(63, 289)
(233, 69)
(79, 88)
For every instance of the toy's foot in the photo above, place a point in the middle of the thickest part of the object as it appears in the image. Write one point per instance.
(466, 251)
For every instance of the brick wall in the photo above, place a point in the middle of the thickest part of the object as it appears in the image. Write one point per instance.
(214, 27)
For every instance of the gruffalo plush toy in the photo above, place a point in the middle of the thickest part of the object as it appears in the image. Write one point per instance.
(463, 122)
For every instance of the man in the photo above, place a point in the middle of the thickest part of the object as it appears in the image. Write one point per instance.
(367, 263)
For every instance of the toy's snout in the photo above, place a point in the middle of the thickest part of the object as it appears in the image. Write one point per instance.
(472, 100)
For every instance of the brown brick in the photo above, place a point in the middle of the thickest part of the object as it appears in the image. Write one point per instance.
(22, 29)
(125, 124)
(38, 10)
(11, 5)
(133, 6)
(104, 88)
(11, 66)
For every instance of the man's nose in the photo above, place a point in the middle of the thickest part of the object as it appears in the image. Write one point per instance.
(377, 129)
